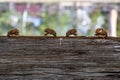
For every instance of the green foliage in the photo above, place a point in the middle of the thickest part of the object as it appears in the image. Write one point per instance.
(5, 17)
(55, 21)
(59, 22)
(118, 28)
(94, 16)
(4, 22)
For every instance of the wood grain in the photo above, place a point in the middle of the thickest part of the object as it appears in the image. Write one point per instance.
(61, 58)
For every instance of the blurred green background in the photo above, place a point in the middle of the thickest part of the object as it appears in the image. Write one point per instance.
(31, 18)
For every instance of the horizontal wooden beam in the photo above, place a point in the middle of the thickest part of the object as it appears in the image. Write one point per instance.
(60, 58)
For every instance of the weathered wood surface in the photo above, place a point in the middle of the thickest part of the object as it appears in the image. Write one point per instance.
(42, 58)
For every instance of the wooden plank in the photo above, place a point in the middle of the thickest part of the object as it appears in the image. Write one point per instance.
(60, 58)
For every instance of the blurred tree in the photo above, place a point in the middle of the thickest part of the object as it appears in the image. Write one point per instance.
(54, 21)
(118, 28)
(94, 18)
(5, 22)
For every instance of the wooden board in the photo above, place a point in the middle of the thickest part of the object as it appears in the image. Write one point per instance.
(61, 58)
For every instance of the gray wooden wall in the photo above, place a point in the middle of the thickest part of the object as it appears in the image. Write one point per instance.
(42, 58)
